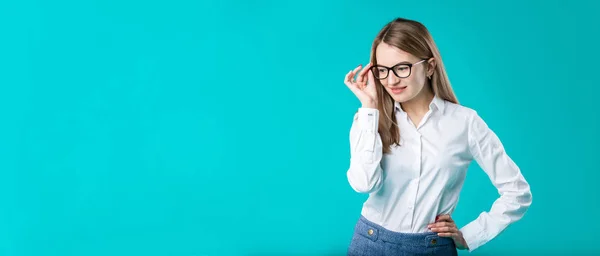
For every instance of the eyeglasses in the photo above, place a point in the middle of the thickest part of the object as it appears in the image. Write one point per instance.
(401, 70)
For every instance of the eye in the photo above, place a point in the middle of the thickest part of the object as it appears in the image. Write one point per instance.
(402, 68)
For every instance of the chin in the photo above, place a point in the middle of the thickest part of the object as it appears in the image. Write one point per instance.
(402, 97)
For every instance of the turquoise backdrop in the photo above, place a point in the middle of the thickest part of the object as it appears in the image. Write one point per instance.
(199, 128)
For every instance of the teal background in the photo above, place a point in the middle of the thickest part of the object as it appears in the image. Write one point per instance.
(221, 127)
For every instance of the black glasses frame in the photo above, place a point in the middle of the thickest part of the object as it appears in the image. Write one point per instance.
(409, 65)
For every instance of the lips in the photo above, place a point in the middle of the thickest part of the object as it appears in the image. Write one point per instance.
(397, 90)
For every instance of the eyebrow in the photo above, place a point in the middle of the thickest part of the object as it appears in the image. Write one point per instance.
(403, 62)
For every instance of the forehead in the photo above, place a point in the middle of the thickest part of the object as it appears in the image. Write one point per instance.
(388, 55)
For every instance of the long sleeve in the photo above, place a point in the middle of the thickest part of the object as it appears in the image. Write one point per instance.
(515, 194)
(365, 173)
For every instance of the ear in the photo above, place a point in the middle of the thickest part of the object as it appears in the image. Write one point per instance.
(430, 66)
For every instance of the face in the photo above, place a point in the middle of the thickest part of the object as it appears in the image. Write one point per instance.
(402, 89)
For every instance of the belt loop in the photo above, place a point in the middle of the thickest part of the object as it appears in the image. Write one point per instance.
(369, 231)
(372, 233)
(432, 240)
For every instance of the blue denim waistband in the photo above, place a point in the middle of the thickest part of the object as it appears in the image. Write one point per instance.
(374, 231)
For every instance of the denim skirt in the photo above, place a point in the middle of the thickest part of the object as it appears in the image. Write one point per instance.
(372, 239)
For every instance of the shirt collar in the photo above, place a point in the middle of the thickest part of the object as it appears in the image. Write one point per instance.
(437, 103)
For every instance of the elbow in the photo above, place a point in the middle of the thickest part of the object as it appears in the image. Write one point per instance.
(519, 193)
(525, 198)
(522, 200)
(362, 184)
(363, 188)
(528, 198)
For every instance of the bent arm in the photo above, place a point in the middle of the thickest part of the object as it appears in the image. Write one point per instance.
(365, 173)
(515, 194)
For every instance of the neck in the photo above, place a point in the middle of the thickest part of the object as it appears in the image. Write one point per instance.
(420, 104)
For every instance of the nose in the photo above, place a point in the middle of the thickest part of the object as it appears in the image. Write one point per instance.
(392, 79)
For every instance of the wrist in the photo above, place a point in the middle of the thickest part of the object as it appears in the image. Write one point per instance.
(463, 242)
(370, 104)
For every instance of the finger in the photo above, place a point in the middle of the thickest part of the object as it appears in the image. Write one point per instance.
(357, 68)
(351, 74)
(361, 79)
(371, 80)
(348, 80)
(361, 75)
(441, 224)
(446, 234)
(442, 229)
(444, 217)
(353, 86)
(354, 71)
(348, 77)
(365, 78)
(445, 230)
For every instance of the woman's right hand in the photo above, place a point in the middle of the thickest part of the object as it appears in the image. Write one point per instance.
(363, 86)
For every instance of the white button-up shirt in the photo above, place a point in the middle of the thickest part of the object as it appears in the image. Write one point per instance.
(422, 177)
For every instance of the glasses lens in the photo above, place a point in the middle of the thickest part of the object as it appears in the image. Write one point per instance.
(379, 72)
(402, 70)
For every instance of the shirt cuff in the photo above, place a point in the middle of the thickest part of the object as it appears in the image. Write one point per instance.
(368, 119)
(474, 235)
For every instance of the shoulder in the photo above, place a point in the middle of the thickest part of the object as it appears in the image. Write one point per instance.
(476, 127)
(459, 112)
(467, 116)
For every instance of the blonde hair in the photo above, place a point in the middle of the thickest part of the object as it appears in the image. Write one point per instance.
(412, 37)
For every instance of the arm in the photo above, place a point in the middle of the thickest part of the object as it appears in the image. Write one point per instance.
(365, 173)
(515, 194)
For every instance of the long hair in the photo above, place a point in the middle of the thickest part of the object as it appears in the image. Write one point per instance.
(412, 37)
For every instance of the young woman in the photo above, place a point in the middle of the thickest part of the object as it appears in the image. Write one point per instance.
(412, 161)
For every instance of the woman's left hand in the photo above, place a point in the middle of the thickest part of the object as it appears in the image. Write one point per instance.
(445, 227)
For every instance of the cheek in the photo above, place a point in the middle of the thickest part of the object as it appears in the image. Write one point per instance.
(415, 83)
(388, 90)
